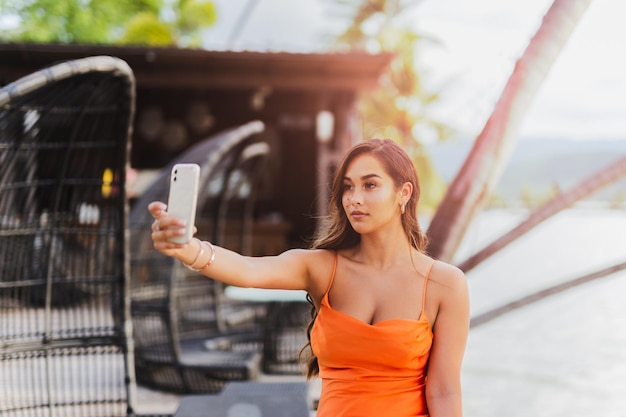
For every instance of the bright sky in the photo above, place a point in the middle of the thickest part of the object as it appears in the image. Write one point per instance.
(584, 96)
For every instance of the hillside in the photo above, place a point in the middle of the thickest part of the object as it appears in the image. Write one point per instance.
(537, 166)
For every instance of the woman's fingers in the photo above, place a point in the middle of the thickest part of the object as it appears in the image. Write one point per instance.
(162, 220)
(160, 241)
(157, 208)
(164, 228)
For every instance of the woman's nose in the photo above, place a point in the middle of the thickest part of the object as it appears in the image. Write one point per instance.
(355, 197)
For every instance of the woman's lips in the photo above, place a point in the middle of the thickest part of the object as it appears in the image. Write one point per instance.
(357, 214)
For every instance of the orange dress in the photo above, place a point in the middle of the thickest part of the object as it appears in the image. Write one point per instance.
(371, 370)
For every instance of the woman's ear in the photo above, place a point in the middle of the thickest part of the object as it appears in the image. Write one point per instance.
(406, 191)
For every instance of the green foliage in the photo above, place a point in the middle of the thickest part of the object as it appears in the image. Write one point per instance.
(433, 187)
(191, 16)
(142, 22)
(398, 109)
(497, 201)
(60, 21)
(146, 28)
(195, 14)
(402, 101)
(533, 197)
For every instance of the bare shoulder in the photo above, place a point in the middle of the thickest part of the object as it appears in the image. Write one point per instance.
(449, 297)
(310, 258)
(446, 273)
(450, 280)
(319, 266)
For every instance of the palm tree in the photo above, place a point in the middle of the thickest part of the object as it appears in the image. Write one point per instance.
(590, 185)
(401, 103)
(481, 170)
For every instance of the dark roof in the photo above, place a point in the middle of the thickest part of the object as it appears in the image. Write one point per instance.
(179, 68)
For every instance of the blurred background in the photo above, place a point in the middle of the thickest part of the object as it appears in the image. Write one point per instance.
(546, 148)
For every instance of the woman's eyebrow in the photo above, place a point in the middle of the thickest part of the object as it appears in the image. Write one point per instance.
(363, 178)
(368, 176)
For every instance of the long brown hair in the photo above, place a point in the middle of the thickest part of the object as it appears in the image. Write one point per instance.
(336, 232)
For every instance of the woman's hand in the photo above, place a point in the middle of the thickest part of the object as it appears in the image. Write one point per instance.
(164, 228)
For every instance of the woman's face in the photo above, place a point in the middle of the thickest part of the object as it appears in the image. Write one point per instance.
(370, 198)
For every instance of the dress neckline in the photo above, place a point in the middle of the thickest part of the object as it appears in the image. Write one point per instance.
(422, 317)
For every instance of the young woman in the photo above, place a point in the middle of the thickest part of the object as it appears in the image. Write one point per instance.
(391, 323)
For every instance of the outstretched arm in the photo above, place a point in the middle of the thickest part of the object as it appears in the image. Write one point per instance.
(289, 270)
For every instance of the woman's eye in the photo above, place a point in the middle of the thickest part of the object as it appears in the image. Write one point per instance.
(347, 187)
(370, 185)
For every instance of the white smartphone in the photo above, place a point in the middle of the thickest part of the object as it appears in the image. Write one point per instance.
(183, 197)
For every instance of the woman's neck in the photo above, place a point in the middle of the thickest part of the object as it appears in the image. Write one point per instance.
(384, 249)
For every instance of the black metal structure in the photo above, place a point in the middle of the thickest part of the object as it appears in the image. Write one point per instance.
(189, 339)
(65, 334)
(286, 336)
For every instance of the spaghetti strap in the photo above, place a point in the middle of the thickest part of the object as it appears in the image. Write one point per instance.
(332, 277)
(424, 291)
